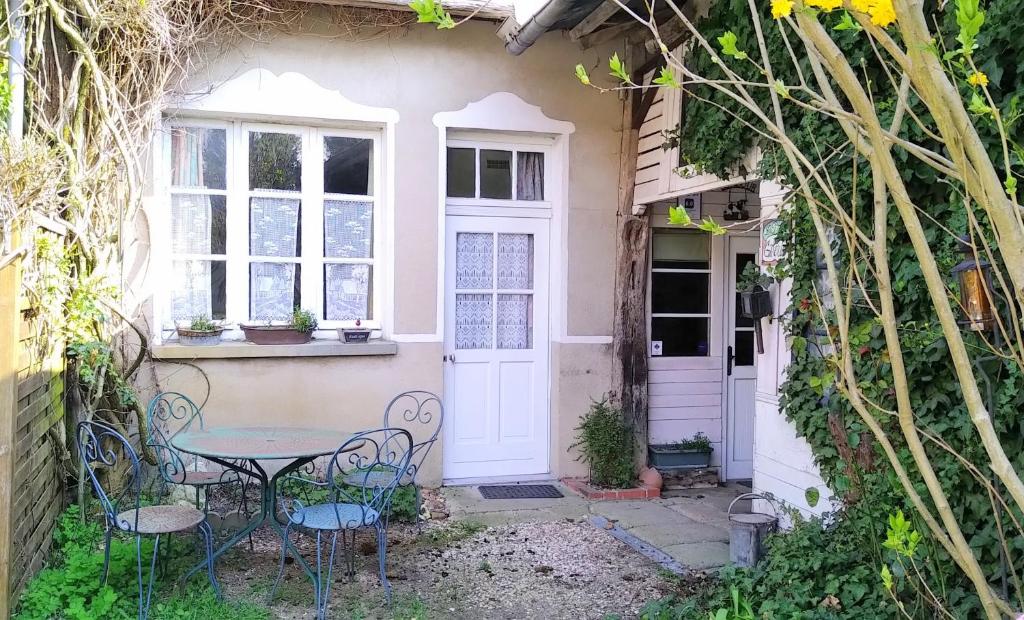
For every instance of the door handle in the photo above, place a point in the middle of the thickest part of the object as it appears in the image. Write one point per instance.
(728, 361)
(448, 358)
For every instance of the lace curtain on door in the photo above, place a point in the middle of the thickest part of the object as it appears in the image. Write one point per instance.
(191, 226)
(502, 316)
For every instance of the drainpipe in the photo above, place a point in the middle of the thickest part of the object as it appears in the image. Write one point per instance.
(16, 69)
(526, 35)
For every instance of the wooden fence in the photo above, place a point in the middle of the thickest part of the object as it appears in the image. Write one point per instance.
(32, 434)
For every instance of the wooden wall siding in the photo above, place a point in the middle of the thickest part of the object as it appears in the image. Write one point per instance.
(37, 496)
(686, 398)
(649, 152)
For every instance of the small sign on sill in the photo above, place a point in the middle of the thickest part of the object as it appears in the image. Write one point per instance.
(655, 348)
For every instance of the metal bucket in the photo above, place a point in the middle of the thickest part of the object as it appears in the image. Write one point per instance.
(747, 532)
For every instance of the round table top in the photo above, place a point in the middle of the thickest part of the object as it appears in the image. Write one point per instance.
(264, 443)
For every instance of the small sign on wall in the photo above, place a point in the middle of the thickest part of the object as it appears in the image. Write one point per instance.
(692, 206)
(655, 348)
(772, 241)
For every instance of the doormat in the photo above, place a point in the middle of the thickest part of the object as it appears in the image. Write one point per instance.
(520, 491)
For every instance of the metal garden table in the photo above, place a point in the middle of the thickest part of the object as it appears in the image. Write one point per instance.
(241, 450)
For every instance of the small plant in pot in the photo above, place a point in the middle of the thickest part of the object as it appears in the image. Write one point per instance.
(298, 330)
(354, 334)
(200, 331)
(693, 453)
(755, 300)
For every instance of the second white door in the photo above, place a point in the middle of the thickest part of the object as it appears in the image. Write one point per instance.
(496, 347)
(741, 375)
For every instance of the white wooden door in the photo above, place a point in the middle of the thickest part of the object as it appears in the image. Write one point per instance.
(741, 374)
(496, 347)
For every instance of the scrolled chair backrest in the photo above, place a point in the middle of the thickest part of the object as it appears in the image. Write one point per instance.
(167, 409)
(416, 407)
(377, 459)
(102, 447)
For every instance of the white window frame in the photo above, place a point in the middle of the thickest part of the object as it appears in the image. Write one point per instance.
(651, 315)
(487, 206)
(312, 259)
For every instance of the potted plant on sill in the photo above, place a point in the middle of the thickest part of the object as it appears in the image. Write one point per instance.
(354, 334)
(200, 331)
(299, 330)
(694, 453)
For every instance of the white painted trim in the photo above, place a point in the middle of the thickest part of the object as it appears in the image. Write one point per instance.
(261, 94)
(502, 111)
(456, 482)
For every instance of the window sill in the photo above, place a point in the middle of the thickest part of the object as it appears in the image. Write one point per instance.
(232, 349)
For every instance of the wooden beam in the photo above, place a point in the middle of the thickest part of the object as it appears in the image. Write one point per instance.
(484, 9)
(10, 278)
(593, 21)
(626, 30)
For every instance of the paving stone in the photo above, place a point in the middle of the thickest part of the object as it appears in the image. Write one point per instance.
(700, 555)
(700, 511)
(682, 530)
(633, 514)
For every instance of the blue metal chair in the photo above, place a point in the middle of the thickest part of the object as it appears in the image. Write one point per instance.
(365, 456)
(175, 467)
(101, 447)
(409, 410)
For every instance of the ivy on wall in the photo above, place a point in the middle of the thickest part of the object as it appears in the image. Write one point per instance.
(713, 140)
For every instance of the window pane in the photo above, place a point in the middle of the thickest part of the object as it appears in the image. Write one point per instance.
(461, 173)
(515, 261)
(515, 321)
(679, 293)
(348, 229)
(742, 260)
(274, 227)
(681, 337)
(680, 250)
(275, 161)
(273, 291)
(198, 157)
(198, 224)
(474, 260)
(347, 291)
(473, 320)
(495, 174)
(197, 289)
(347, 168)
(529, 176)
(744, 349)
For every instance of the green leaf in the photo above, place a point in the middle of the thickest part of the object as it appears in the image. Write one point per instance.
(970, 17)
(678, 216)
(430, 12)
(581, 75)
(1010, 184)
(781, 89)
(812, 495)
(667, 78)
(711, 226)
(886, 577)
(846, 23)
(728, 43)
(978, 105)
(618, 69)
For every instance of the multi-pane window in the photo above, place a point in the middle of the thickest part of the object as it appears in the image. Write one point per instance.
(495, 173)
(680, 292)
(268, 218)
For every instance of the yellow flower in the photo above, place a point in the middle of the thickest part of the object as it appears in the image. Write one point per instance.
(781, 8)
(882, 13)
(977, 78)
(862, 6)
(825, 5)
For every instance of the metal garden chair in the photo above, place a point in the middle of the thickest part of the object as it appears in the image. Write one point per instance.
(101, 447)
(348, 508)
(175, 467)
(407, 410)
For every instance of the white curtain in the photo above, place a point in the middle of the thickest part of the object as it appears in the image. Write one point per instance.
(530, 176)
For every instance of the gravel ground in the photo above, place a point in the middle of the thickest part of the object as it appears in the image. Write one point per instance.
(458, 570)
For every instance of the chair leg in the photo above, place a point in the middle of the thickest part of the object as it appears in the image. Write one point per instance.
(146, 595)
(106, 555)
(382, 550)
(206, 532)
(321, 611)
(419, 509)
(280, 570)
(330, 569)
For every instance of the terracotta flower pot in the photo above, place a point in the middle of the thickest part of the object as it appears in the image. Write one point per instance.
(651, 478)
(275, 334)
